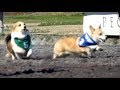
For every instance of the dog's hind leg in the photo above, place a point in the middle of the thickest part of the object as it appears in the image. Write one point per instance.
(58, 54)
(54, 56)
(8, 55)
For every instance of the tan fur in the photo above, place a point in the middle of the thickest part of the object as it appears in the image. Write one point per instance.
(70, 44)
(95, 33)
(9, 49)
(13, 51)
(9, 46)
(16, 27)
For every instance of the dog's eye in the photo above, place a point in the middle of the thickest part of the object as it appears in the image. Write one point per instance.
(19, 24)
(100, 33)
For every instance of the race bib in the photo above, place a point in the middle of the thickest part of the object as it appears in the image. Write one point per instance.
(86, 40)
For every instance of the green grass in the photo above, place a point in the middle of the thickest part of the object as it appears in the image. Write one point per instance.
(46, 20)
(2, 35)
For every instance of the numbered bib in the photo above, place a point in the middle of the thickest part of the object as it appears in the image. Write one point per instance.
(24, 43)
(86, 40)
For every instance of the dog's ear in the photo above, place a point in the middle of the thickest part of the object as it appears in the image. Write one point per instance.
(100, 26)
(13, 27)
(91, 29)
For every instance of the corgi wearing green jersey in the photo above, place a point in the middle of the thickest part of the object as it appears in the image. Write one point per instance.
(18, 42)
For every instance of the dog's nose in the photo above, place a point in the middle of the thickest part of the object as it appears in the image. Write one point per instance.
(103, 40)
(106, 37)
(24, 27)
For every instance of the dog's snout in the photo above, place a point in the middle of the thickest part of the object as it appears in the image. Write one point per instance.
(105, 38)
(24, 27)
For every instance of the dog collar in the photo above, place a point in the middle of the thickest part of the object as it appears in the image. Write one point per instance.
(24, 43)
(86, 40)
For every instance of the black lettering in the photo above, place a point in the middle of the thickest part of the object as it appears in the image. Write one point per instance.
(104, 20)
(118, 22)
(111, 21)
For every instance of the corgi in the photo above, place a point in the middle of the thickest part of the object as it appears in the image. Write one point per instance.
(83, 45)
(18, 42)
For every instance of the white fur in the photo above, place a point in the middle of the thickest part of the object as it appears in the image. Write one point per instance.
(19, 34)
(94, 47)
(29, 53)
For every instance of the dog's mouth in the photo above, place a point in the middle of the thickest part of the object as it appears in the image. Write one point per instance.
(24, 31)
(25, 28)
(101, 40)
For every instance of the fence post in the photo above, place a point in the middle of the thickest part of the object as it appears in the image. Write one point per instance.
(1, 22)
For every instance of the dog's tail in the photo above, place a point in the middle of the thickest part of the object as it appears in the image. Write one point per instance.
(7, 38)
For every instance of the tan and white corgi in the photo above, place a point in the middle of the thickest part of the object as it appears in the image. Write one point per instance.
(18, 42)
(80, 45)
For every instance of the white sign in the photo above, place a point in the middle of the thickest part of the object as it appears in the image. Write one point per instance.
(109, 21)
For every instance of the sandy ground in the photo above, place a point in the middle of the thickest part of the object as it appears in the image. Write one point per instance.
(102, 64)
(57, 29)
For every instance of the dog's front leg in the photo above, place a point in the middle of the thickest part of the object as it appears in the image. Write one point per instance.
(29, 53)
(95, 47)
(13, 57)
(98, 48)
(17, 56)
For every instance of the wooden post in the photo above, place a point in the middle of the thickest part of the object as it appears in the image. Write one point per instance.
(1, 22)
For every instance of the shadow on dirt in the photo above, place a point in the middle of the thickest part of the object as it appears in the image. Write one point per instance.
(30, 71)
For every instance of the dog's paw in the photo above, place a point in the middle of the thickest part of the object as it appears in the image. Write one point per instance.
(99, 49)
(8, 55)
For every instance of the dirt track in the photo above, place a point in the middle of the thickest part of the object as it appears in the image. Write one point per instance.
(103, 64)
